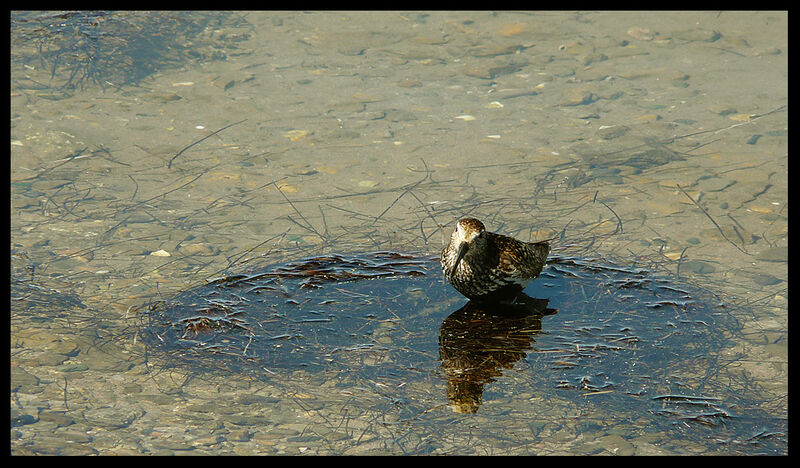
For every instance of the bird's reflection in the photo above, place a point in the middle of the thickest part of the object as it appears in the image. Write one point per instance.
(479, 340)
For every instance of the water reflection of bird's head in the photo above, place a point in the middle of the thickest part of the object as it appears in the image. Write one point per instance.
(479, 340)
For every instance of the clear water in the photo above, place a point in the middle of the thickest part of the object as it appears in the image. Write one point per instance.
(151, 152)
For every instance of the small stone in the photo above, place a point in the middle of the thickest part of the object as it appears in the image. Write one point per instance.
(240, 435)
(577, 97)
(478, 71)
(768, 51)
(577, 47)
(431, 40)
(721, 109)
(667, 74)
(20, 378)
(171, 445)
(698, 267)
(507, 94)
(753, 139)
(495, 105)
(407, 83)
(72, 367)
(641, 34)
(286, 188)
(111, 418)
(742, 117)
(158, 399)
(327, 170)
(617, 445)
(695, 194)
(760, 209)
(714, 184)
(276, 433)
(367, 183)
(62, 346)
(512, 29)
(21, 418)
(296, 135)
(225, 83)
(774, 254)
(399, 115)
(352, 51)
(494, 51)
(197, 249)
(489, 71)
(163, 97)
(611, 132)
(160, 253)
(765, 280)
(648, 118)
(208, 440)
(365, 98)
(589, 59)
(673, 255)
(699, 34)
(670, 183)
(75, 436)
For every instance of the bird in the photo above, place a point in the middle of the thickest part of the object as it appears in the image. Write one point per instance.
(489, 267)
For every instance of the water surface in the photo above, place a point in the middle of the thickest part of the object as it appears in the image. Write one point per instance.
(152, 152)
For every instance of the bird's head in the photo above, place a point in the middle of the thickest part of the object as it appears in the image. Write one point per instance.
(468, 233)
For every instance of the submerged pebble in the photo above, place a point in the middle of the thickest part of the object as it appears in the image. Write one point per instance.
(640, 33)
(714, 184)
(774, 254)
(698, 267)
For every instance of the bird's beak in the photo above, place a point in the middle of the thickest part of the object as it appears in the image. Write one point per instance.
(462, 250)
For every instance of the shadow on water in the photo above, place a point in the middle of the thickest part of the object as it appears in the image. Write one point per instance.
(648, 348)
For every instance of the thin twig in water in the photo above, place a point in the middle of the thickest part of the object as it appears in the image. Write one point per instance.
(169, 165)
(236, 260)
(137, 187)
(752, 119)
(396, 200)
(619, 221)
(65, 394)
(149, 200)
(351, 211)
(72, 157)
(710, 218)
(678, 270)
(324, 222)
(310, 227)
(430, 215)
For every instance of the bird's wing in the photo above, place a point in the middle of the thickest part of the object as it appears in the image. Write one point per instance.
(523, 260)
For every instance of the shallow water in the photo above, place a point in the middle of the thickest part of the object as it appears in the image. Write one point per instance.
(650, 141)
(644, 348)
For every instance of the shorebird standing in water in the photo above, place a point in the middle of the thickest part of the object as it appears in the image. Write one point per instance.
(487, 267)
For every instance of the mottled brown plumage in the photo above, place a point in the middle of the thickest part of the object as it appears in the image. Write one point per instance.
(485, 266)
